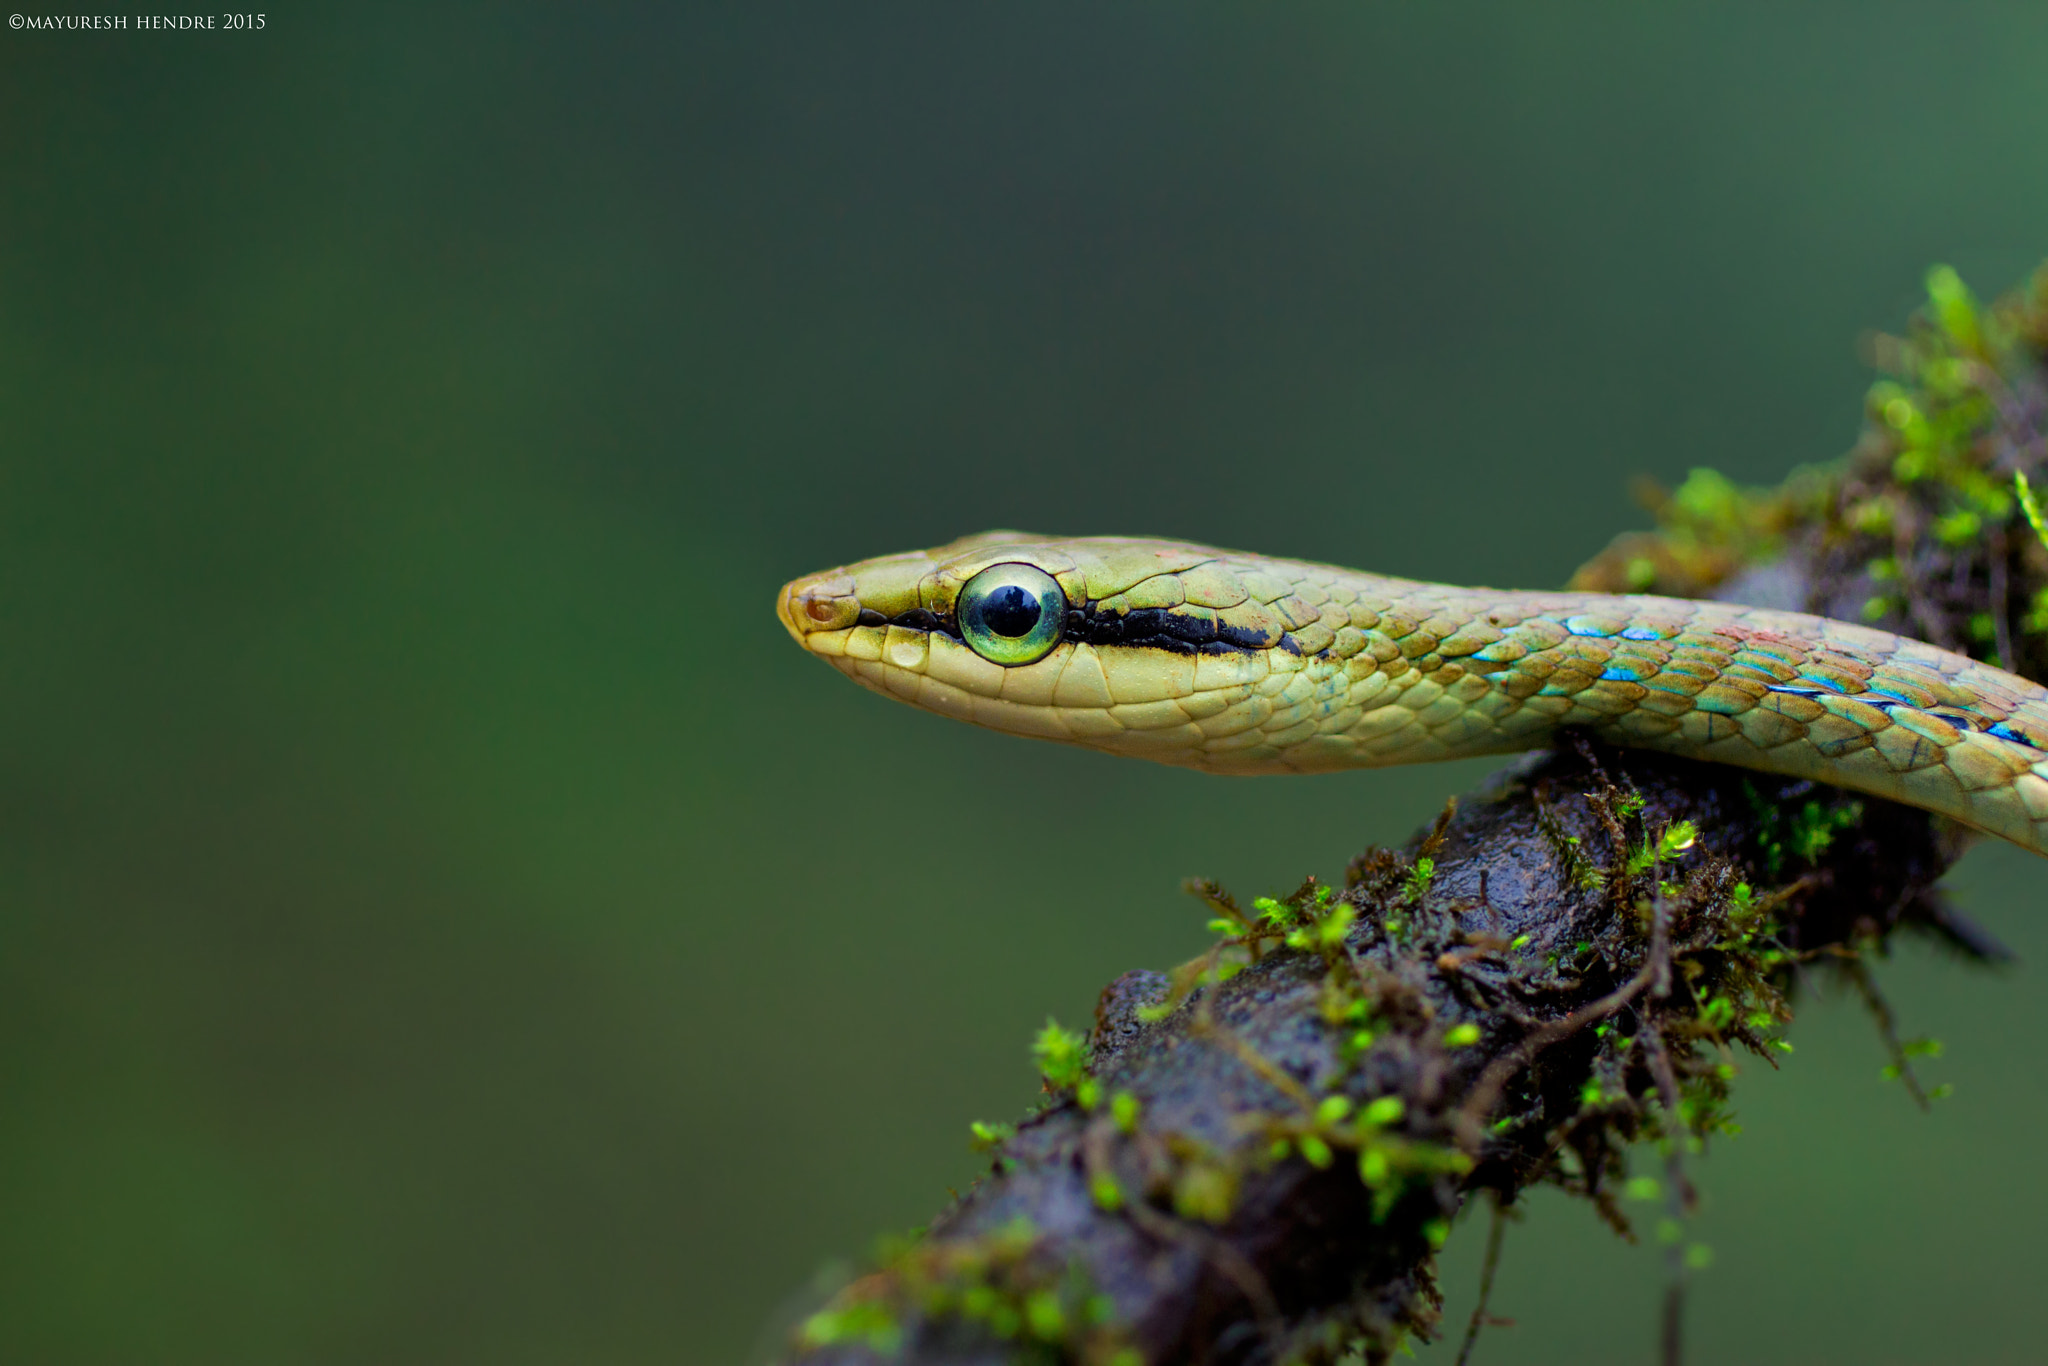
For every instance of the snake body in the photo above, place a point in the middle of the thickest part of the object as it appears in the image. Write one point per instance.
(1239, 663)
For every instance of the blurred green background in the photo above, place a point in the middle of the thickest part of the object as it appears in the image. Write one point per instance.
(443, 919)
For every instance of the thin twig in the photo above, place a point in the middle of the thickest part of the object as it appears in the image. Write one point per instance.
(1660, 939)
(2001, 611)
(1680, 1198)
(1495, 1234)
(1905, 541)
(1881, 1011)
(1486, 1091)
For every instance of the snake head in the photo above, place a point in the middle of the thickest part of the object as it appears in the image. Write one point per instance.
(1118, 643)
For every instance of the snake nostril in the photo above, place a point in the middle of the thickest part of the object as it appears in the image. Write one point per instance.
(816, 607)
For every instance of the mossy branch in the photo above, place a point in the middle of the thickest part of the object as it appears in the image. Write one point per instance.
(1255, 1158)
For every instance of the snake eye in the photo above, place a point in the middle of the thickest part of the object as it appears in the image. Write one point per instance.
(1010, 613)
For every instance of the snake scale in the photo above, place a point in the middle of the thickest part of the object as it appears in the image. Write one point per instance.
(1239, 663)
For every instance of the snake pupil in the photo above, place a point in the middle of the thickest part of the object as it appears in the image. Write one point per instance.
(1010, 614)
(1010, 611)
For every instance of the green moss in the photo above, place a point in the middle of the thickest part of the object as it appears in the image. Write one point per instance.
(1419, 879)
(2030, 506)
(1669, 844)
(1917, 1048)
(1803, 833)
(871, 1323)
(998, 1281)
(1062, 1057)
(983, 1137)
(1205, 1189)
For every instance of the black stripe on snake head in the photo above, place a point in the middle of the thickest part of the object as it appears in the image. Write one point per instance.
(1178, 630)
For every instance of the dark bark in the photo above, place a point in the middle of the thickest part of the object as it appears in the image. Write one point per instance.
(1303, 1261)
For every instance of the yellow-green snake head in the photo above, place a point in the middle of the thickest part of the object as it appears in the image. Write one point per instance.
(1161, 649)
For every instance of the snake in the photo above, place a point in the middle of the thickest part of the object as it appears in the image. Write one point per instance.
(1238, 663)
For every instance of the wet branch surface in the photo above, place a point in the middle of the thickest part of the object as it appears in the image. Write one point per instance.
(1184, 1217)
